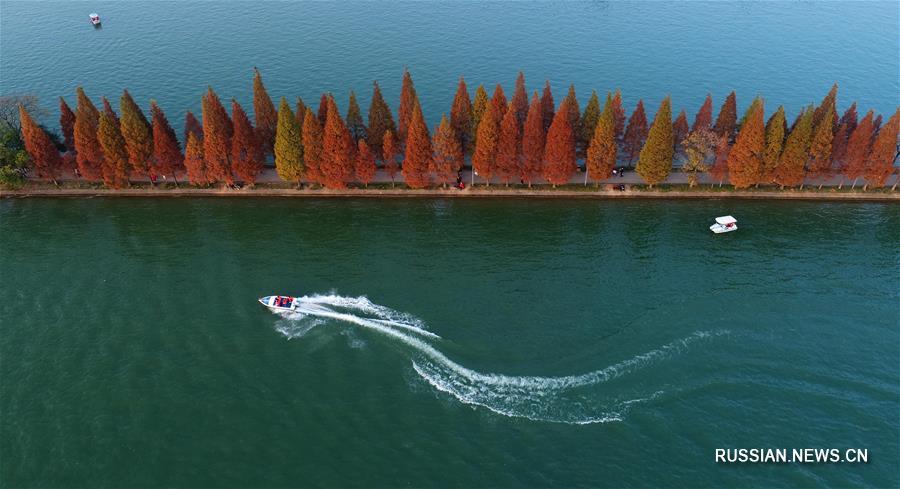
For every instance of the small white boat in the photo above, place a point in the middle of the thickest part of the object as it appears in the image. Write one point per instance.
(95, 19)
(724, 224)
(279, 303)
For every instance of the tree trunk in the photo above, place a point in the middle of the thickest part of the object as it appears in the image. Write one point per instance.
(894, 186)
(854, 183)
(865, 186)
(175, 177)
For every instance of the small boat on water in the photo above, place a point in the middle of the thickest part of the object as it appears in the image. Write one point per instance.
(279, 303)
(724, 224)
(95, 20)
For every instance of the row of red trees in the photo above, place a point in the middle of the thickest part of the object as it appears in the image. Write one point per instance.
(510, 140)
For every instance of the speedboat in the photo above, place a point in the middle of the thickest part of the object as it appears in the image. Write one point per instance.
(279, 303)
(95, 19)
(724, 224)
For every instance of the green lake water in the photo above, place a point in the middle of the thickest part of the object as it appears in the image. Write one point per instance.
(445, 343)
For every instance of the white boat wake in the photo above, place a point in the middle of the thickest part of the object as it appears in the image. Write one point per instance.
(553, 399)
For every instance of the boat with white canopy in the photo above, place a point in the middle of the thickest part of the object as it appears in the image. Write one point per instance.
(724, 224)
(279, 303)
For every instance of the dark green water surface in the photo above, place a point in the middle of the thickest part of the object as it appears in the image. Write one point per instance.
(445, 343)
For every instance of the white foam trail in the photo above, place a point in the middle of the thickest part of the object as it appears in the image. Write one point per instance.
(556, 399)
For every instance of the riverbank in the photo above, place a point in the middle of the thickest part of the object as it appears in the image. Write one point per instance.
(73, 189)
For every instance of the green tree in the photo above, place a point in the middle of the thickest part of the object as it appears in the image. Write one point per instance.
(115, 161)
(601, 154)
(288, 145)
(355, 123)
(589, 120)
(655, 161)
(380, 121)
(699, 147)
(775, 129)
(479, 106)
(137, 133)
(790, 169)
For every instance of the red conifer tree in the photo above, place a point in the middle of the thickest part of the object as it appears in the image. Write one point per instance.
(167, 155)
(192, 126)
(365, 163)
(264, 113)
(519, 101)
(108, 110)
(417, 161)
(246, 150)
(88, 153)
(618, 114)
(461, 116)
(727, 120)
(508, 150)
(829, 103)
(390, 148)
(745, 161)
(408, 100)
(499, 103)
(323, 110)
(574, 111)
(880, 163)
(312, 147)
(849, 117)
(636, 132)
(380, 121)
(858, 148)
(703, 120)
(548, 107)
(448, 154)
(216, 139)
(485, 156)
(533, 142)
(845, 127)
(338, 158)
(67, 124)
(559, 152)
(719, 170)
(193, 160)
(44, 155)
